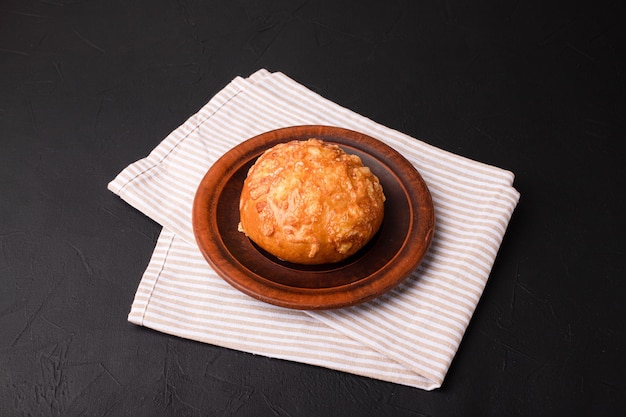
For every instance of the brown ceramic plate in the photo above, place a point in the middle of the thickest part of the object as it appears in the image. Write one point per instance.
(387, 260)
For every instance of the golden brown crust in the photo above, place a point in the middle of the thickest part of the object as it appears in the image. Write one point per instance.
(309, 202)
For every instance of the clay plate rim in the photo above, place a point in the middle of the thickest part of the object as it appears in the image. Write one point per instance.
(389, 259)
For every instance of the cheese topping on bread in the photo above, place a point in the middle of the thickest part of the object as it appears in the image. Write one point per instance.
(309, 202)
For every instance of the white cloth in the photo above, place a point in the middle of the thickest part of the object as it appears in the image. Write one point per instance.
(407, 336)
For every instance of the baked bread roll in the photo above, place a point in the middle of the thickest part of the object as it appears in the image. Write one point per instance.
(309, 202)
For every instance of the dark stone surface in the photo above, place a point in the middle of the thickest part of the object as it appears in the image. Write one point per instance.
(87, 87)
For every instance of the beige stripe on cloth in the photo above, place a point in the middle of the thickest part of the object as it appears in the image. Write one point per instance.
(408, 336)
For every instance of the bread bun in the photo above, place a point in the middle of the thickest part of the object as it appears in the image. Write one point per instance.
(309, 202)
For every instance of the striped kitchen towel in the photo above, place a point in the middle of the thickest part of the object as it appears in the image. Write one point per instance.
(407, 336)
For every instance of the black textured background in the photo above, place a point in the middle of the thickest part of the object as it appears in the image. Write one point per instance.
(87, 87)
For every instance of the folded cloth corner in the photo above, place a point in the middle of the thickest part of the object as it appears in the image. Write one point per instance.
(408, 336)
